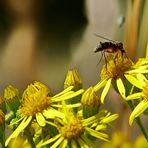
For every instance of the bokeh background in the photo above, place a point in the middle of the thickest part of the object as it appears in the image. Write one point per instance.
(42, 39)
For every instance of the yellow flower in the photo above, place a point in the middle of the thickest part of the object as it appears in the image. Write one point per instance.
(114, 71)
(20, 141)
(142, 83)
(119, 140)
(74, 129)
(37, 104)
(122, 140)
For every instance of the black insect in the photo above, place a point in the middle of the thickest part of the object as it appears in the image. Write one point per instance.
(109, 47)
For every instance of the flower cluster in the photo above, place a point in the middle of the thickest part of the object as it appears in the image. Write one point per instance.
(69, 118)
(74, 117)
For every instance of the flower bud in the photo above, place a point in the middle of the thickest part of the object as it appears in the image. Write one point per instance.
(91, 102)
(12, 97)
(73, 79)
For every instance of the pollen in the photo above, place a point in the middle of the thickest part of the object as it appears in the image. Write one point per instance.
(145, 92)
(116, 67)
(35, 100)
(73, 129)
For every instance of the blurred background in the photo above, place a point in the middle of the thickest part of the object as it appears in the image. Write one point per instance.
(42, 39)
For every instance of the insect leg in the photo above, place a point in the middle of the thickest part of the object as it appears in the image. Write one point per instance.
(105, 59)
(100, 58)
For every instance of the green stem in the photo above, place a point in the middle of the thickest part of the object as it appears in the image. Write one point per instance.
(2, 135)
(138, 121)
(29, 137)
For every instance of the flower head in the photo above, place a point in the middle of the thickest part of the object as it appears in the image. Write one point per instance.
(74, 130)
(114, 72)
(35, 99)
(116, 67)
(38, 105)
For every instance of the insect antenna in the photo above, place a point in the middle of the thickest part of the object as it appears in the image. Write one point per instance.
(103, 37)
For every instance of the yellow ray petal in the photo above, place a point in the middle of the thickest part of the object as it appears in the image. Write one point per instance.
(100, 84)
(40, 119)
(64, 91)
(139, 109)
(69, 96)
(133, 81)
(121, 87)
(134, 96)
(64, 144)
(50, 140)
(57, 143)
(52, 113)
(82, 143)
(105, 90)
(142, 79)
(20, 128)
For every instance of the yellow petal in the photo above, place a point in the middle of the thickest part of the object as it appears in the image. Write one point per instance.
(51, 113)
(82, 143)
(50, 140)
(57, 143)
(133, 81)
(109, 118)
(142, 79)
(68, 96)
(65, 91)
(134, 96)
(139, 109)
(40, 119)
(101, 127)
(97, 134)
(100, 84)
(105, 90)
(121, 87)
(64, 144)
(19, 129)
(88, 141)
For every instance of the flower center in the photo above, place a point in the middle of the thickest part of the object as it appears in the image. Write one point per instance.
(73, 129)
(145, 92)
(116, 67)
(35, 100)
